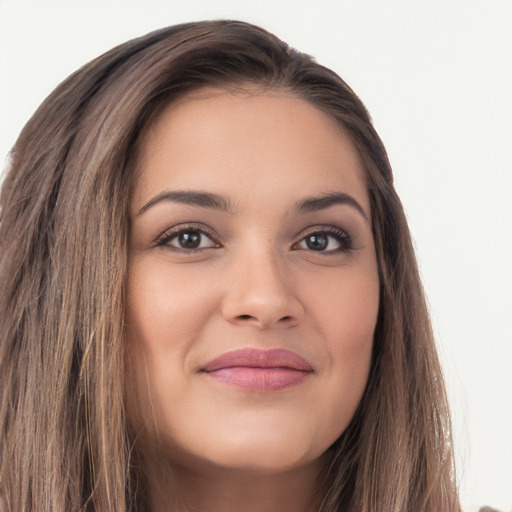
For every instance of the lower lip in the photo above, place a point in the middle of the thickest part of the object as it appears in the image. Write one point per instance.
(259, 379)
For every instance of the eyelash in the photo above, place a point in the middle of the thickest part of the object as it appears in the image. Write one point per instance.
(341, 236)
(165, 239)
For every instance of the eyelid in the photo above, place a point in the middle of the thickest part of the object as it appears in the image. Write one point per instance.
(341, 234)
(174, 231)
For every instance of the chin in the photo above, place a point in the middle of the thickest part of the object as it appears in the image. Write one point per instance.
(257, 451)
(251, 461)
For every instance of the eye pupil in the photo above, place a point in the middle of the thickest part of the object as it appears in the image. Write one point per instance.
(189, 240)
(317, 241)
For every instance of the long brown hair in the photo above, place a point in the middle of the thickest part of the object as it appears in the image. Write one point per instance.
(64, 441)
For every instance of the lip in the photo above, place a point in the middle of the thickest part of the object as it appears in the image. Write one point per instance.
(259, 370)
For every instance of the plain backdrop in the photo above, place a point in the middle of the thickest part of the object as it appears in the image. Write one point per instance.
(437, 79)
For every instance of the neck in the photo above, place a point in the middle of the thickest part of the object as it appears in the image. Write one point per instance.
(228, 490)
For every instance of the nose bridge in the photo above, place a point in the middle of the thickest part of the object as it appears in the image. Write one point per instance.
(261, 290)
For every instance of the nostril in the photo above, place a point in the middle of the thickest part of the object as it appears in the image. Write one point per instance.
(284, 319)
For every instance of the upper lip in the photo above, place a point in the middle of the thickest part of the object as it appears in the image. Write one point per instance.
(257, 358)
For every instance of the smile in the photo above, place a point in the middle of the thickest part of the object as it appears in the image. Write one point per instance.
(259, 370)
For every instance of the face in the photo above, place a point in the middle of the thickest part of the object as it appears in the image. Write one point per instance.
(253, 290)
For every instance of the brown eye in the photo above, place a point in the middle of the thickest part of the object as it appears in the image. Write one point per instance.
(317, 241)
(188, 239)
(328, 239)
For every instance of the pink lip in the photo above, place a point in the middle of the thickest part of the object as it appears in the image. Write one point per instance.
(259, 370)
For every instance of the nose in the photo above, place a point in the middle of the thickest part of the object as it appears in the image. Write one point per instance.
(261, 293)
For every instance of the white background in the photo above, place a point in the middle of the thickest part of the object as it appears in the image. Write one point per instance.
(437, 78)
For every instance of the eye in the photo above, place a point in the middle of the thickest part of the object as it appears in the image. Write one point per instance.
(328, 239)
(186, 239)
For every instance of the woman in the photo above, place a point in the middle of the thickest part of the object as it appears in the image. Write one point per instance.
(210, 299)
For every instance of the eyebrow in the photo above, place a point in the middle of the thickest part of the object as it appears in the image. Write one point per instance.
(194, 198)
(314, 204)
(217, 202)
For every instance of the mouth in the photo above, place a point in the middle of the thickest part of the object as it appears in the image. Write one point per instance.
(259, 370)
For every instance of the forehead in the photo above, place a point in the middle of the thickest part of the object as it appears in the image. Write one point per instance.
(241, 142)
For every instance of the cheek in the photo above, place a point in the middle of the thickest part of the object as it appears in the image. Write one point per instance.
(165, 315)
(165, 310)
(345, 307)
(345, 312)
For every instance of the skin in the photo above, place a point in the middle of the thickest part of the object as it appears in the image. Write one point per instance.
(253, 282)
